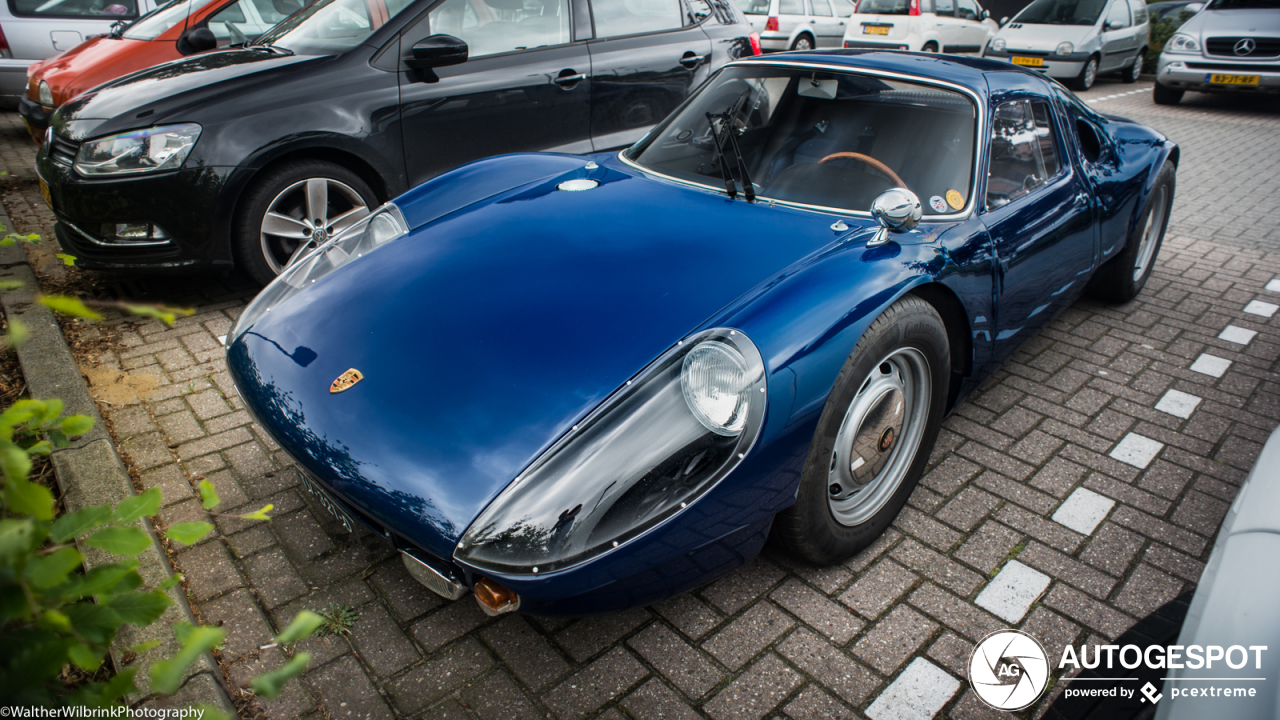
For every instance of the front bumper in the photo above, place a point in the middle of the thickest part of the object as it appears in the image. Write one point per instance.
(1063, 67)
(193, 206)
(1192, 72)
(35, 115)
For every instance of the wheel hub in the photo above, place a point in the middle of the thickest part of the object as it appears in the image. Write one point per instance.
(880, 426)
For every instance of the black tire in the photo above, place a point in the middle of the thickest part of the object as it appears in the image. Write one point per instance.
(1131, 74)
(1166, 95)
(246, 232)
(1123, 276)
(930, 46)
(810, 528)
(804, 42)
(1088, 75)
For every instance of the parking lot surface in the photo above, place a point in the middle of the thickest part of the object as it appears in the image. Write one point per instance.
(1076, 492)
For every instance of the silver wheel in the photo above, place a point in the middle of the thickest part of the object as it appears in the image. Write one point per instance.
(304, 215)
(1153, 232)
(1090, 74)
(803, 43)
(879, 437)
(1136, 71)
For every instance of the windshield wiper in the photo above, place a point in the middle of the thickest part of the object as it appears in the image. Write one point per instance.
(273, 48)
(117, 29)
(726, 140)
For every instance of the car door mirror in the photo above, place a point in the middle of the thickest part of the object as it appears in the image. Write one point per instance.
(1004, 21)
(437, 51)
(986, 14)
(197, 40)
(897, 210)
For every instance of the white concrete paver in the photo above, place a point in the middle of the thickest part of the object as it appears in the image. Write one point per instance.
(1265, 309)
(1237, 335)
(1211, 365)
(1136, 450)
(1083, 510)
(1178, 403)
(918, 693)
(1011, 593)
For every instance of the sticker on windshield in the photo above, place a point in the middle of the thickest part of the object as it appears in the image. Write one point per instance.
(938, 204)
(955, 199)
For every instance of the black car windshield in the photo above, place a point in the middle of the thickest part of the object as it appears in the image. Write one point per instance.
(1244, 5)
(329, 27)
(884, 7)
(156, 22)
(827, 139)
(1062, 12)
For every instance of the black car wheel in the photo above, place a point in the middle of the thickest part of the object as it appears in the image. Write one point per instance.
(1132, 74)
(1088, 74)
(930, 46)
(1166, 95)
(804, 42)
(292, 209)
(1122, 278)
(874, 436)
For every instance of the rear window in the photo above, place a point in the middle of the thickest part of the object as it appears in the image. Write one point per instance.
(1244, 5)
(884, 7)
(79, 9)
(753, 7)
(1062, 12)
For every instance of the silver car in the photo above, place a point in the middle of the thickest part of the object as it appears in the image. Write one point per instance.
(798, 24)
(1076, 40)
(39, 29)
(1229, 46)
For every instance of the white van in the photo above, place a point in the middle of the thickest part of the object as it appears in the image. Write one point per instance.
(953, 26)
(1075, 40)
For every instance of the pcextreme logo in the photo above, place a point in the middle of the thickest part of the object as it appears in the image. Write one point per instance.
(1008, 670)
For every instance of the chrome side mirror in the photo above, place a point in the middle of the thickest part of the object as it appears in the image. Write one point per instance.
(897, 210)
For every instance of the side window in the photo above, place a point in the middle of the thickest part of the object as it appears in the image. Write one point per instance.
(631, 17)
(1024, 151)
(271, 14)
(1139, 8)
(967, 10)
(843, 8)
(1118, 17)
(84, 9)
(699, 10)
(946, 8)
(497, 26)
(791, 7)
(231, 26)
(821, 8)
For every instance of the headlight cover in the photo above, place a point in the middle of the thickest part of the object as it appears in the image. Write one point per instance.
(997, 45)
(44, 94)
(381, 227)
(653, 447)
(1182, 43)
(138, 151)
(1065, 48)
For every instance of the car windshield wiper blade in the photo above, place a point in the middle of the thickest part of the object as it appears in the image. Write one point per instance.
(273, 48)
(117, 29)
(726, 139)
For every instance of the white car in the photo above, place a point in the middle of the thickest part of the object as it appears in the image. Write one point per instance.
(953, 26)
(1229, 46)
(1075, 40)
(797, 24)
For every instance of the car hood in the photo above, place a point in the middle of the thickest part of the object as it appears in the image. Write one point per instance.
(1234, 22)
(486, 334)
(152, 95)
(93, 55)
(1045, 38)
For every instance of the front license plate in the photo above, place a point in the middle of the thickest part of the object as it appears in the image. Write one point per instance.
(1029, 62)
(1232, 79)
(44, 193)
(875, 30)
(328, 503)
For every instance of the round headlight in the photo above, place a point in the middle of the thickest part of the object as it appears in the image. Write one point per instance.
(1065, 48)
(45, 94)
(383, 228)
(716, 385)
(997, 45)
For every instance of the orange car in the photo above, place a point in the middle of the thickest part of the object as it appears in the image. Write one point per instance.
(180, 28)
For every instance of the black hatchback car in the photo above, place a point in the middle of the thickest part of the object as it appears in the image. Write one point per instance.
(251, 155)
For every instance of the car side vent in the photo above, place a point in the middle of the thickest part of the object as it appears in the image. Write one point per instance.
(63, 150)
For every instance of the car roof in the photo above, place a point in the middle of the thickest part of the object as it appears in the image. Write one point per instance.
(978, 74)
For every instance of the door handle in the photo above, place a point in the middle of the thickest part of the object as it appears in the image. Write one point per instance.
(691, 61)
(811, 22)
(569, 78)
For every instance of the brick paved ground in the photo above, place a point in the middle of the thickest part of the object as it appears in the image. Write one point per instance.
(1077, 491)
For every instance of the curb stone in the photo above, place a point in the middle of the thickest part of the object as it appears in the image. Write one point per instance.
(89, 473)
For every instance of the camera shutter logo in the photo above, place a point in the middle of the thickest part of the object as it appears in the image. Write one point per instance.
(1008, 670)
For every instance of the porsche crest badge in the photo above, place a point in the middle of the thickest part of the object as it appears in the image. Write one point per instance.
(346, 380)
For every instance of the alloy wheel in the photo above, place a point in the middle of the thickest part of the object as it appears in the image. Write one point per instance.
(306, 214)
(1153, 231)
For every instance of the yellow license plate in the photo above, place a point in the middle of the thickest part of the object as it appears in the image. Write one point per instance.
(44, 193)
(1233, 79)
(1029, 62)
(875, 30)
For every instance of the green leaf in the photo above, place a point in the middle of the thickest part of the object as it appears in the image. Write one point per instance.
(94, 623)
(269, 685)
(127, 541)
(140, 609)
(131, 508)
(51, 410)
(18, 537)
(55, 621)
(7, 241)
(166, 675)
(70, 526)
(7, 285)
(106, 694)
(58, 439)
(170, 582)
(143, 647)
(188, 533)
(15, 463)
(304, 623)
(18, 332)
(208, 495)
(44, 447)
(76, 425)
(260, 514)
(97, 581)
(182, 630)
(29, 498)
(68, 305)
(52, 569)
(84, 657)
(67, 259)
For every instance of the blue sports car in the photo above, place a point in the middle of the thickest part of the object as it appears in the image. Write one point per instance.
(575, 384)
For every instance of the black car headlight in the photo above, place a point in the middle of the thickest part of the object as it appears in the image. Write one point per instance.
(381, 227)
(148, 150)
(653, 447)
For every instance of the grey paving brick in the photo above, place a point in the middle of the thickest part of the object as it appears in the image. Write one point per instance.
(240, 618)
(445, 671)
(498, 698)
(274, 578)
(814, 704)
(347, 692)
(655, 700)
(756, 692)
(1048, 532)
(1112, 548)
(688, 614)
(1147, 589)
(878, 588)
(736, 590)
(406, 597)
(590, 688)
(1055, 564)
(748, 634)
(589, 636)
(892, 640)
(922, 527)
(938, 568)
(954, 613)
(830, 666)
(1087, 611)
(381, 643)
(950, 475)
(173, 484)
(523, 650)
(208, 570)
(952, 653)
(818, 612)
(679, 662)
(989, 546)
(968, 508)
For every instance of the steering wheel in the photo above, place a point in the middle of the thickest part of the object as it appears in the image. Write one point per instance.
(875, 164)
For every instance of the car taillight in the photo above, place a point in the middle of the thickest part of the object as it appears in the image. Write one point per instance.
(914, 7)
(772, 24)
(755, 44)
(5, 52)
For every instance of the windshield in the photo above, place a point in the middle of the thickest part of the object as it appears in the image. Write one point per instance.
(1244, 5)
(328, 27)
(753, 7)
(828, 139)
(1062, 12)
(884, 7)
(156, 22)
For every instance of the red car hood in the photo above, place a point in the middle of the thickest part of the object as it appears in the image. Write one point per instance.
(96, 61)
